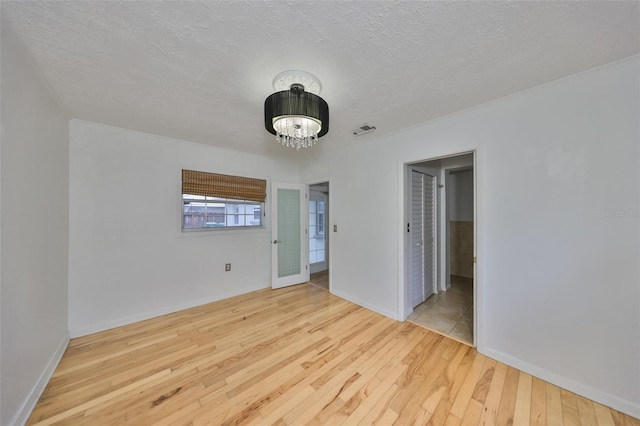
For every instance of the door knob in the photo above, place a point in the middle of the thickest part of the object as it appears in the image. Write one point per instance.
(276, 241)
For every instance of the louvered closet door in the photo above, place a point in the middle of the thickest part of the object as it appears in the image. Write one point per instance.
(422, 237)
(417, 235)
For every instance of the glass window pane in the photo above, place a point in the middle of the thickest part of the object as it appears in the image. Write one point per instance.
(288, 232)
(199, 213)
(320, 223)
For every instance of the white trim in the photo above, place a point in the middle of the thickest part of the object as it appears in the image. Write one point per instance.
(478, 239)
(22, 415)
(615, 402)
(324, 265)
(95, 328)
(329, 229)
(366, 305)
(403, 166)
(403, 191)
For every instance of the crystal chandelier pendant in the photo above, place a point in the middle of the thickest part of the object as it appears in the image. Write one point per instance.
(297, 131)
(295, 114)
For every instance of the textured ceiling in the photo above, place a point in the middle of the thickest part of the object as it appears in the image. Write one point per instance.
(200, 70)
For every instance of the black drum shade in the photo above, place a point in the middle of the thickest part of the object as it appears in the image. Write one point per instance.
(296, 102)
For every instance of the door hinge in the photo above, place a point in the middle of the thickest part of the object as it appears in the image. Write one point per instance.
(475, 259)
(408, 227)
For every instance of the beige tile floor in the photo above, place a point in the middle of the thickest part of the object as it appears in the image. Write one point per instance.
(449, 312)
(321, 279)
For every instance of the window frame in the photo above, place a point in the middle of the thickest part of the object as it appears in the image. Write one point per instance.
(226, 202)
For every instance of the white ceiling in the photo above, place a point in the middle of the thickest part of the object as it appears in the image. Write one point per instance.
(201, 70)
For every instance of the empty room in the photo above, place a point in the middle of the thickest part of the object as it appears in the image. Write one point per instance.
(320, 212)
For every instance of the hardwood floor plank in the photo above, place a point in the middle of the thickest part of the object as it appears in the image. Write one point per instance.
(482, 387)
(494, 395)
(554, 405)
(570, 413)
(538, 402)
(461, 373)
(296, 355)
(603, 415)
(466, 391)
(508, 400)
(103, 399)
(586, 411)
(377, 411)
(631, 421)
(379, 390)
(522, 411)
(472, 413)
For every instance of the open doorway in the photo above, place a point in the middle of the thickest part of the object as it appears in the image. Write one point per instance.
(439, 245)
(319, 234)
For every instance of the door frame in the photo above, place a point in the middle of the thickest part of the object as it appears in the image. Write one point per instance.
(325, 197)
(446, 227)
(329, 227)
(404, 308)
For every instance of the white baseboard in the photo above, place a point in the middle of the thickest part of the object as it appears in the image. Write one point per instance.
(27, 406)
(392, 315)
(107, 325)
(617, 403)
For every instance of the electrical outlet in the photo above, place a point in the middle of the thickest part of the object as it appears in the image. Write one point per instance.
(227, 267)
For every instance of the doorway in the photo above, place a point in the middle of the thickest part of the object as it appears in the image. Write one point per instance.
(319, 234)
(447, 257)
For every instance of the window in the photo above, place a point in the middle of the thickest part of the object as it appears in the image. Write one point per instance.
(316, 232)
(215, 201)
(320, 218)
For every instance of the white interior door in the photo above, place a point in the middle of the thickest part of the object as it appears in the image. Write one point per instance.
(289, 240)
(422, 237)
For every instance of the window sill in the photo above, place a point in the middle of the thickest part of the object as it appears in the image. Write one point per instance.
(221, 232)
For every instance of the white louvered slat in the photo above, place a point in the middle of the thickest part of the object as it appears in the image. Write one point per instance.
(417, 249)
(429, 227)
(422, 236)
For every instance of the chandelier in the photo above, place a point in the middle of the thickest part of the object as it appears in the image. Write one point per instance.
(295, 114)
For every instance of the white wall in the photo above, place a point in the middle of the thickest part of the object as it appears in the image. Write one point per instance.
(460, 190)
(559, 284)
(34, 194)
(128, 259)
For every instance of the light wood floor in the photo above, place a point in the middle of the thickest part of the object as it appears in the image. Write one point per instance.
(297, 355)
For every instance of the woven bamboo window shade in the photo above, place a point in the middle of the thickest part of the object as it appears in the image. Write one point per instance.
(223, 186)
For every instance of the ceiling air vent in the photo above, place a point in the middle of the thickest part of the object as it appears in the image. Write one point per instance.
(363, 129)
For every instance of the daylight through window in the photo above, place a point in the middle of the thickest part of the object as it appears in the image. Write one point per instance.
(215, 201)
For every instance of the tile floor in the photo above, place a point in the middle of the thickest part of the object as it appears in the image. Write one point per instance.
(449, 312)
(321, 279)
